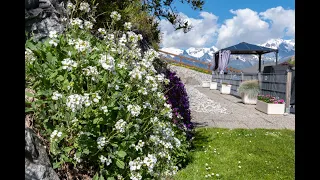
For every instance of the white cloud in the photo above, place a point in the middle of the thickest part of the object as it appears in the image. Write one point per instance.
(246, 25)
(281, 20)
(201, 35)
(249, 26)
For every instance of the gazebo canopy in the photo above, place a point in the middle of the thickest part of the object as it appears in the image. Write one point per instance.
(246, 48)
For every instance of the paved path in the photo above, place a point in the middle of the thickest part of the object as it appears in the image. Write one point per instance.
(237, 114)
(212, 109)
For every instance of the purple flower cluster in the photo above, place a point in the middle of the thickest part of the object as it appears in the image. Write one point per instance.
(178, 98)
(270, 99)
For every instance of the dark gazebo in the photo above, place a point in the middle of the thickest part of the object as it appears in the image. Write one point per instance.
(246, 48)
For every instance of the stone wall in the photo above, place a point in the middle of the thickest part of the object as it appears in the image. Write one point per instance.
(189, 76)
(42, 16)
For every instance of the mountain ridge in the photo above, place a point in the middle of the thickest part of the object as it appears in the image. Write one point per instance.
(286, 49)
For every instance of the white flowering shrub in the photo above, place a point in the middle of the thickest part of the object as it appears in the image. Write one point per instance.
(100, 103)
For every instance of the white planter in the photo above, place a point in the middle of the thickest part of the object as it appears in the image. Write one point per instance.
(213, 85)
(247, 100)
(205, 83)
(225, 89)
(269, 108)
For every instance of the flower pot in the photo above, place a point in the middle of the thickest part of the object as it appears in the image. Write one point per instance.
(269, 108)
(205, 83)
(246, 100)
(225, 89)
(213, 85)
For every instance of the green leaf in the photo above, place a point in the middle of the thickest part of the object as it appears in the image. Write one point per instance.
(93, 56)
(49, 56)
(120, 164)
(96, 177)
(114, 145)
(86, 151)
(60, 78)
(28, 110)
(29, 94)
(101, 177)
(56, 165)
(31, 46)
(53, 75)
(110, 178)
(97, 120)
(121, 154)
(67, 149)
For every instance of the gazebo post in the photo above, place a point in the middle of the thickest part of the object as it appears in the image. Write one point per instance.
(259, 63)
(277, 57)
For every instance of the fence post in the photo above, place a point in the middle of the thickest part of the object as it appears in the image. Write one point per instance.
(260, 80)
(242, 76)
(288, 91)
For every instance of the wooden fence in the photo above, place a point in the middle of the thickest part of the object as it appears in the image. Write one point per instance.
(277, 85)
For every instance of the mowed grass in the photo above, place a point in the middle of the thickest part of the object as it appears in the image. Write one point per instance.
(241, 154)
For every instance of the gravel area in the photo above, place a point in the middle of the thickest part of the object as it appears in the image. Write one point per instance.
(210, 108)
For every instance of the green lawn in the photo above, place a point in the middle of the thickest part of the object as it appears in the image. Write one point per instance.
(256, 154)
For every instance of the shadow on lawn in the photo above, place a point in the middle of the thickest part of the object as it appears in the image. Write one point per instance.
(197, 144)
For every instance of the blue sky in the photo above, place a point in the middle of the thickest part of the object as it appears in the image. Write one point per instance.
(221, 7)
(254, 21)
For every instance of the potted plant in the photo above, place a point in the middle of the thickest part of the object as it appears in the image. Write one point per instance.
(249, 91)
(213, 85)
(205, 83)
(270, 105)
(225, 88)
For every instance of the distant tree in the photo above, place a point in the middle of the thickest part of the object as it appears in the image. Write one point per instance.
(165, 9)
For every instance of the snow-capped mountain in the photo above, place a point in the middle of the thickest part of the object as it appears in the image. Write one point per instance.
(286, 49)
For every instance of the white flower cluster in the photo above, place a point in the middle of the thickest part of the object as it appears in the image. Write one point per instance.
(102, 31)
(81, 45)
(55, 134)
(91, 71)
(101, 141)
(107, 65)
(76, 101)
(53, 35)
(146, 105)
(151, 55)
(135, 176)
(132, 37)
(110, 37)
(76, 22)
(120, 125)
(143, 91)
(68, 64)
(139, 146)
(135, 165)
(167, 111)
(84, 7)
(56, 95)
(76, 158)
(134, 110)
(127, 25)
(104, 109)
(115, 16)
(29, 56)
(103, 159)
(70, 6)
(137, 73)
(122, 65)
(150, 161)
(88, 24)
